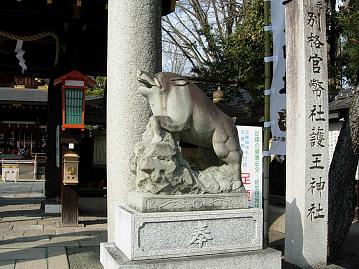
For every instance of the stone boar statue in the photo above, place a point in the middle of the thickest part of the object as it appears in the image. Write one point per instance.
(181, 108)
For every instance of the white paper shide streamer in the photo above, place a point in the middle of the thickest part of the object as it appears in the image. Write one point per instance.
(20, 55)
(278, 91)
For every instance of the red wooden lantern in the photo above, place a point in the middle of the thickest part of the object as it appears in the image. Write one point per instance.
(73, 86)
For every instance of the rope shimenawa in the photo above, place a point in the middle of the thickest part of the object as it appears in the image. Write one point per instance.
(34, 38)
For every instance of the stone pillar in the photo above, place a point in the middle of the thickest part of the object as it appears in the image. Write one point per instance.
(53, 172)
(134, 42)
(307, 134)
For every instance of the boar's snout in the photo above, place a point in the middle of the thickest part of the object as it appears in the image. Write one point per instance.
(148, 79)
(145, 78)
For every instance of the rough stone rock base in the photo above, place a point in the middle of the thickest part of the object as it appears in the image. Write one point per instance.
(112, 258)
(143, 236)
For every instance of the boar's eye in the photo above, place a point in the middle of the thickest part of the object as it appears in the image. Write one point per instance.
(179, 82)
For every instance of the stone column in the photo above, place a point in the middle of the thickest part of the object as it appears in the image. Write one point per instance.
(307, 134)
(53, 173)
(134, 42)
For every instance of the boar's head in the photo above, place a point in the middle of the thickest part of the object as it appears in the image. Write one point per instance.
(155, 87)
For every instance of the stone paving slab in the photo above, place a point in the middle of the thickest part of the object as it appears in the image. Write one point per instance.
(13, 234)
(32, 206)
(20, 218)
(50, 227)
(5, 207)
(37, 233)
(26, 239)
(91, 242)
(35, 194)
(49, 220)
(91, 232)
(20, 195)
(57, 258)
(69, 238)
(36, 214)
(27, 264)
(31, 221)
(7, 195)
(5, 226)
(7, 264)
(94, 240)
(32, 240)
(65, 244)
(22, 254)
(20, 243)
(64, 230)
(14, 213)
(29, 227)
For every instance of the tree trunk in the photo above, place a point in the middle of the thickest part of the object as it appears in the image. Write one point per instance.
(342, 199)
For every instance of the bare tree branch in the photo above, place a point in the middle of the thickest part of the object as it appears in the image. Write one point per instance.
(219, 23)
(189, 58)
(192, 33)
(187, 42)
(202, 27)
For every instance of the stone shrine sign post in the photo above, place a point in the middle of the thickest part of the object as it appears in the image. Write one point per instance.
(307, 134)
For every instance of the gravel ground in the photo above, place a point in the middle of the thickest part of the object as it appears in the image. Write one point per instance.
(84, 257)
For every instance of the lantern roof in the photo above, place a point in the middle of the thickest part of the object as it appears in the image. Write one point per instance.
(75, 75)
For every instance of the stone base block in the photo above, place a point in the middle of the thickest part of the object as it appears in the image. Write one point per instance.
(146, 202)
(112, 258)
(176, 234)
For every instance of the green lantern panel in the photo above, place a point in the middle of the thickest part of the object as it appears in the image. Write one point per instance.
(73, 106)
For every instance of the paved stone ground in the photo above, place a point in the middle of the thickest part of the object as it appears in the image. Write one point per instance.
(84, 257)
(31, 239)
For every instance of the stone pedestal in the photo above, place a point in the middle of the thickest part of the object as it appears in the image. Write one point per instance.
(176, 234)
(146, 202)
(192, 239)
(112, 257)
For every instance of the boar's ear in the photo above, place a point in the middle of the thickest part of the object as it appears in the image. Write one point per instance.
(179, 81)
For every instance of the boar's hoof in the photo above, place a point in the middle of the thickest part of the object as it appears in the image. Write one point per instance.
(236, 185)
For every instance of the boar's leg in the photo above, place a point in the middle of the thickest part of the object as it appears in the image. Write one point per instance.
(227, 149)
(235, 160)
(156, 129)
